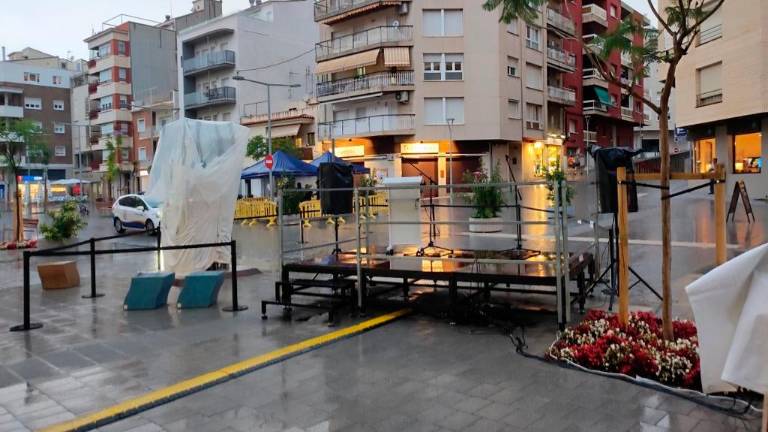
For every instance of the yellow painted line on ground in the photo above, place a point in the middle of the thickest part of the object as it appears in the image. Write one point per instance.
(200, 382)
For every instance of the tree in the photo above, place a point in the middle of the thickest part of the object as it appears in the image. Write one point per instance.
(258, 148)
(16, 139)
(679, 26)
(113, 167)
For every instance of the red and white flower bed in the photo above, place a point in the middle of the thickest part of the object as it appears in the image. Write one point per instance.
(599, 342)
(24, 244)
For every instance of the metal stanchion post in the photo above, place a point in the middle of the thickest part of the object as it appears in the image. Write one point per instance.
(159, 251)
(28, 325)
(93, 294)
(235, 306)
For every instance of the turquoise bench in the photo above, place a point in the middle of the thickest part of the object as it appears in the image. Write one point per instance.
(201, 289)
(149, 291)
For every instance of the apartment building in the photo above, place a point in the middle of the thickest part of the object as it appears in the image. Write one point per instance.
(150, 113)
(722, 94)
(270, 42)
(436, 88)
(41, 95)
(35, 57)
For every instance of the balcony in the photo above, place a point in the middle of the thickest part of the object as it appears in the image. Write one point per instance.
(561, 59)
(593, 77)
(595, 107)
(11, 111)
(590, 136)
(709, 98)
(594, 13)
(379, 125)
(149, 132)
(592, 43)
(329, 11)
(113, 115)
(211, 97)
(373, 83)
(210, 61)
(95, 135)
(561, 22)
(627, 114)
(92, 87)
(561, 95)
(123, 166)
(361, 41)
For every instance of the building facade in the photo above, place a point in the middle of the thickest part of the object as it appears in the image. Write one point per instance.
(722, 94)
(42, 96)
(150, 114)
(437, 88)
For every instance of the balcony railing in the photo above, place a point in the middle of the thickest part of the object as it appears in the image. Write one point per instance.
(214, 96)
(328, 8)
(386, 124)
(591, 74)
(561, 58)
(209, 61)
(365, 84)
(560, 21)
(594, 13)
(561, 95)
(627, 113)
(710, 34)
(594, 106)
(362, 40)
(592, 43)
(709, 98)
(590, 136)
(92, 87)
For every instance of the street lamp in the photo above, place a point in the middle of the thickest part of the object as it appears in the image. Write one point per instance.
(450, 159)
(269, 118)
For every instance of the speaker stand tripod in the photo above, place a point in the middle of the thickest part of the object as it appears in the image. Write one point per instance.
(431, 213)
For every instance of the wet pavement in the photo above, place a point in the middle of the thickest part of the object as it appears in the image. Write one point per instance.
(418, 373)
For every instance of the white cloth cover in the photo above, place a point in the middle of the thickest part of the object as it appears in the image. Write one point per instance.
(195, 175)
(730, 304)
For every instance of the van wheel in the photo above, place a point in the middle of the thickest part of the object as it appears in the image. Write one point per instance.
(118, 224)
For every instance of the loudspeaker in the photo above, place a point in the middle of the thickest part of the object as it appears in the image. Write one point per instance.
(607, 160)
(336, 176)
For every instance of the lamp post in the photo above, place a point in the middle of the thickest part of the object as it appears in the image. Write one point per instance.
(450, 159)
(269, 118)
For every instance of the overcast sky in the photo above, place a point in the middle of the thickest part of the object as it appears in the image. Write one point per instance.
(59, 26)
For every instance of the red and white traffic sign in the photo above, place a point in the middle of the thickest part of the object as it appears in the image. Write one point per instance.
(269, 162)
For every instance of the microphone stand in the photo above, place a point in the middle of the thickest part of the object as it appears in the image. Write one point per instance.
(431, 213)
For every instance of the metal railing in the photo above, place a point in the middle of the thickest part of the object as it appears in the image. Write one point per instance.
(593, 74)
(709, 98)
(366, 83)
(627, 113)
(560, 21)
(593, 12)
(371, 125)
(328, 8)
(561, 94)
(593, 105)
(590, 136)
(561, 57)
(362, 40)
(218, 95)
(710, 34)
(209, 60)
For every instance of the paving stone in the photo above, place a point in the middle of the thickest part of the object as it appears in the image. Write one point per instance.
(33, 369)
(678, 422)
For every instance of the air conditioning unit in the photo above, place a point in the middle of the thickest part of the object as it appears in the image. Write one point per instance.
(403, 8)
(402, 97)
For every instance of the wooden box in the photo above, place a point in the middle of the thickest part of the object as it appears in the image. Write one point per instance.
(59, 275)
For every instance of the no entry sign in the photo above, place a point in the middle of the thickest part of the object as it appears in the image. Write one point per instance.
(269, 162)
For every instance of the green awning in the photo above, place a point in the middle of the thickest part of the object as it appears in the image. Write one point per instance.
(603, 96)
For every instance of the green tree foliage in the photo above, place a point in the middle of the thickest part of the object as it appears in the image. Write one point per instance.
(258, 148)
(113, 166)
(65, 223)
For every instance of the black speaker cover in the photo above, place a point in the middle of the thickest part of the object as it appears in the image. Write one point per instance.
(336, 176)
(607, 160)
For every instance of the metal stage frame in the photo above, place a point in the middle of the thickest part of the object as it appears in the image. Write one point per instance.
(359, 276)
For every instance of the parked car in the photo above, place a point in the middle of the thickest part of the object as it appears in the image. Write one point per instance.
(135, 211)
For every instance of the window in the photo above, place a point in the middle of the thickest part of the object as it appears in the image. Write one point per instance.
(33, 103)
(122, 74)
(443, 67)
(121, 47)
(59, 128)
(142, 154)
(438, 111)
(514, 108)
(125, 154)
(614, 11)
(443, 22)
(58, 105)
(704, 155)
(747, 153)
(124, 102)
(60, 150)
(571, 126)
(108, 129)
(56, 79)
(532, 37)
(533, 76)
(38, 125)
(513, 65)
(712, 28)
(226, 117)
(105, 103)
(710, 85)
(105, 50)
(512, 26)
(141, 125)
(105, 76)
(533, 116)
(31, 77)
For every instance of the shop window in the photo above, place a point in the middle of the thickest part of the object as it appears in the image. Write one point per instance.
(704, 155)
(747, 153)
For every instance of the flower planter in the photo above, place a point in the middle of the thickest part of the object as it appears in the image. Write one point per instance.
(487, 225)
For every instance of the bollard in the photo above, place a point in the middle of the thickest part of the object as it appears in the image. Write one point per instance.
(159, 251)
(93, 294)
(235, 306)
(28, 325)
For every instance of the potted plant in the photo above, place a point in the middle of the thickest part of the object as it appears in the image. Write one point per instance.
(65, 223)
(554, 176)
(486, 200)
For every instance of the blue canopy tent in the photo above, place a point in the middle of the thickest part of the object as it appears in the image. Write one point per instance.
(328, 157)
(284, 165)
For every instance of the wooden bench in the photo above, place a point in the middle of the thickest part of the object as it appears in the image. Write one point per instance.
(59, 275)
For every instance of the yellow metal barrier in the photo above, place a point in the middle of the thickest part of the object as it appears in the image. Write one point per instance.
(371, 205)
(251, 210)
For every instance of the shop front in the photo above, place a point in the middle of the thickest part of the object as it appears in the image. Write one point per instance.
(541, 157)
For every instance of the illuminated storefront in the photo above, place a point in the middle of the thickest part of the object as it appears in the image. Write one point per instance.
(543, 157)
(747, 153)
(704, 155)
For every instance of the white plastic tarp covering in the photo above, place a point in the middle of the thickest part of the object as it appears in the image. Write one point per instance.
(730, 304)
(195, 175)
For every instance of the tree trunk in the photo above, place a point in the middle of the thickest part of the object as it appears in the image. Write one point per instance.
(666, 231)
(18, 222)
(45, 190)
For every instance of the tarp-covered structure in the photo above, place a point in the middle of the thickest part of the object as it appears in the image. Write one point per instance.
(328, 157)
(195, 175)
(283, 165)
